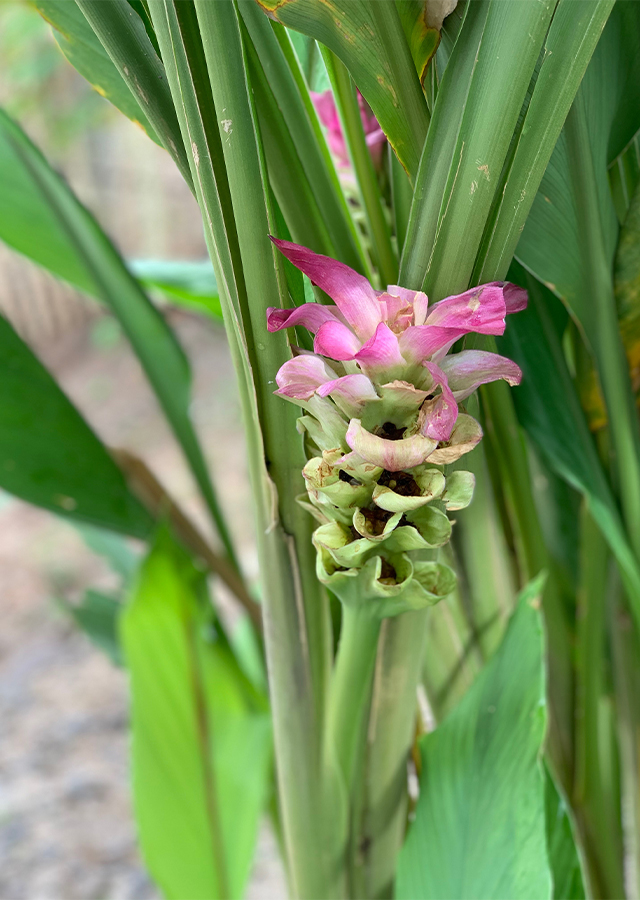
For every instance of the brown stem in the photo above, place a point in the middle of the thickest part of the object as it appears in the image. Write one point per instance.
(153, 495)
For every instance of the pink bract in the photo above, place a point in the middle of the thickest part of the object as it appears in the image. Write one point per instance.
(380, 339)
(328, 115)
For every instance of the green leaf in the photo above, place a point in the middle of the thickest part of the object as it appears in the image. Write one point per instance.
(41, 218)
(421, 25)
(289, 115)
(201, 737)
(84, 51)
(550, 411)
(553, 238)
(479, 829)
(49, 456)
(476, 111)
(572, 37)
(186, 283)
(570, 237)
(108, 44)
(624, 174)
(369, 39)
(114, 548)
(98, 616)
(563, 856)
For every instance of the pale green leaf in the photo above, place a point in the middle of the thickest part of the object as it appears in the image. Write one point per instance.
(479, 829)
(474, 117)
(201, 740)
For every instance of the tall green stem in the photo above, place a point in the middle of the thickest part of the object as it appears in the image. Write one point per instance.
(349, 111)
(508, 447)
(626, 652)
(344, 743)
(603, 328)
(597, 814)
(391, 731)
(275, 460)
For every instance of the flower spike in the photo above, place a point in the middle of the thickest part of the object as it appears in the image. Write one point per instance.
(383, 396)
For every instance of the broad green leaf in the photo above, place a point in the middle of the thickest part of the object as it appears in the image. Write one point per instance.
(84, 51)
(41, 218)
(97, 616)
(476, 111)
(549, 410)
(479, 829)
(49, 456)
(201, 736)
(186, 283)
(563, 856)
(369, 39)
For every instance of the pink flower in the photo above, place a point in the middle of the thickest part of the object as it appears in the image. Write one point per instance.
(328, 115)
(390, 375)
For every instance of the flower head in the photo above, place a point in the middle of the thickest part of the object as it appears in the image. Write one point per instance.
(382, 397)
(382, 357)
(328, 114)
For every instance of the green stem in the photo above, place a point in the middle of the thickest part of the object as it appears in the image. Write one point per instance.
(603, 328)
(488, 565)
(287, 641)
(349, 111)
(344, 741)
(402, 194)
(509, 450)
(626, 651)
(596, 812)
(391, 732)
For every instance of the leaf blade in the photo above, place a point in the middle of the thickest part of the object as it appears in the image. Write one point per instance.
(479, 830)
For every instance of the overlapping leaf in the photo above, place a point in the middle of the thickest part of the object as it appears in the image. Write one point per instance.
(550, 411)
(41, 218)
(201, 736)
(370, 41)
(476, 111)
(84, 51)
(552, 242)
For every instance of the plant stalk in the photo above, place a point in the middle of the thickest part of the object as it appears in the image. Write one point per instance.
(603, 329)
(344, 742)
(596, 812)
(349, 111)
(508, 447)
